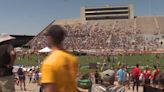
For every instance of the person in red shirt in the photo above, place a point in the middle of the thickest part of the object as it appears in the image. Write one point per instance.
(147, 74)
(135, 75)
(154, 75)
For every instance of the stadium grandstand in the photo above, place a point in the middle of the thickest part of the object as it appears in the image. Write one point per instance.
(108, 35)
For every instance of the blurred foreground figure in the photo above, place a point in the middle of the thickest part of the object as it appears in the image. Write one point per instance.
(7, 58)
(59, 69)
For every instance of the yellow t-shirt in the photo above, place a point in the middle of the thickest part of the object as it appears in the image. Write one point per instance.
(60, 68)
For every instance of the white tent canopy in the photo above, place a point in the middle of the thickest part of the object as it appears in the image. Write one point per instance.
(45, 50)
(18, 49)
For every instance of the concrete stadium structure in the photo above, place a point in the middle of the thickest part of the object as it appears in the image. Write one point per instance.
(148, 29)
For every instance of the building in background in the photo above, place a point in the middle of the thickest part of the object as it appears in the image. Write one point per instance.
(106, 12)
(21, 40)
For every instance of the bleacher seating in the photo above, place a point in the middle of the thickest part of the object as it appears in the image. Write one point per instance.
(107, 35)
(161, 24)
(146, 25)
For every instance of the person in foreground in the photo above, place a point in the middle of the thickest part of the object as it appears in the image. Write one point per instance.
(107, 85)
(59, 69)
(7, 58)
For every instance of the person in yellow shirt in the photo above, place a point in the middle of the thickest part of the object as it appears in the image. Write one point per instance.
(59, 69)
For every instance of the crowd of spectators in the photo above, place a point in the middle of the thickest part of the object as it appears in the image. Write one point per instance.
(102, 35)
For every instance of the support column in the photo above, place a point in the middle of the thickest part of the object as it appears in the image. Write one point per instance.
(131, 12)
(82, 14)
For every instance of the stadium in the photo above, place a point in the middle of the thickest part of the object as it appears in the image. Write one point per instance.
(106, 37)
(109, 30)
(82, 46)
(111, 34)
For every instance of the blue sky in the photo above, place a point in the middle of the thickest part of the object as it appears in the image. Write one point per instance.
(29, 17)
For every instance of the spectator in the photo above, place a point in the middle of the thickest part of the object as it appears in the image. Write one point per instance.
(36, 76)
(96, 36)
(92, 77)
(127, 80)
(21, 75)
(147, 75)
(108, 78)
(97, 77)
(141, 78)
(7, 59)
(154, 75)
(30, 75)
(59, 69)
(135, 76)
(33, 75)
(160, 88)
(120, 75)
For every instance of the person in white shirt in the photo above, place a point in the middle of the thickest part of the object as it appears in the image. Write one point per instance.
(141, 78)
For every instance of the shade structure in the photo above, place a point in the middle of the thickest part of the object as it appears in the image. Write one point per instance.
(18, 49)
(45, 50)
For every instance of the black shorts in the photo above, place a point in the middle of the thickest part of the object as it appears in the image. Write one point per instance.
(136, 79)
(21, 77)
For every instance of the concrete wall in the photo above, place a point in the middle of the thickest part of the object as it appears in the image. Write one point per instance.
(106, 12)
